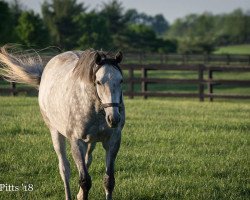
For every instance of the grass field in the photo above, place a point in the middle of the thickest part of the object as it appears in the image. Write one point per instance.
(234, 49)
(171, 149)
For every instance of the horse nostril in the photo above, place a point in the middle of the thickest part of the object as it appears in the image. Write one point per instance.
(113, 121)
(110, 119)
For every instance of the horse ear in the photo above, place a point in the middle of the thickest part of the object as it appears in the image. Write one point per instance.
(118, 57)
(98, 58)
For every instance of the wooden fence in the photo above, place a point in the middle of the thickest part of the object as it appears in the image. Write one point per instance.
(201, 81)
(203, 66)
(184, 59)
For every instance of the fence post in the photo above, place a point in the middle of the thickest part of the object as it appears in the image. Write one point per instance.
(166, 58)
(208, 59)
(210, 85)
(205, 58)
(13, 89)
(201, 80)
(228, 59)
(162, 58)
(183, 59)
(131, 83)
(144, 85)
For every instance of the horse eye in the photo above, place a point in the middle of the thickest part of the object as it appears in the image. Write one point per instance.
(98, 82)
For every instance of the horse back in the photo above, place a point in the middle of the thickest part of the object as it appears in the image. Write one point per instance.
(56, 87)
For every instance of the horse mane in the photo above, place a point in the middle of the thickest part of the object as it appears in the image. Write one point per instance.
(86, 67)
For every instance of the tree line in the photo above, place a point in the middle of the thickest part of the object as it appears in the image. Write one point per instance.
(202, 33)
(71, 25)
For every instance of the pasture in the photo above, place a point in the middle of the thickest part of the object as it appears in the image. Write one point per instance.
(234, 49)
(171, 149)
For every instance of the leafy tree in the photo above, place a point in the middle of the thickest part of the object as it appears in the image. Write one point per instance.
(9, 14)
(195, 45)
(113, 13)
(60, 17)
(167, 46)
(131, 16)
(16, 9)
(138, 37)
(94, 31)
(6, 21)
(158, 23)
(236, 26)
(31, 30)
(203, 32)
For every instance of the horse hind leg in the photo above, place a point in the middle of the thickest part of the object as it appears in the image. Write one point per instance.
(64, 166)
(78, 149)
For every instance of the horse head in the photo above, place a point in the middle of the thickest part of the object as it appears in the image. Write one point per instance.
(107, 80)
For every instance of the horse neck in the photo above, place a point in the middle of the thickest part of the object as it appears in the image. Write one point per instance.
(86, 92)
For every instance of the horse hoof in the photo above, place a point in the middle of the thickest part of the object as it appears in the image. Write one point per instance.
(80, 195)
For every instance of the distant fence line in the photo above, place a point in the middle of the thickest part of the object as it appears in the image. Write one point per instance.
(153, 62)
(200, 81)
(206, 59)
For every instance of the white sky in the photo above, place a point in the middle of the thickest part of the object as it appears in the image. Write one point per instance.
(171, 9)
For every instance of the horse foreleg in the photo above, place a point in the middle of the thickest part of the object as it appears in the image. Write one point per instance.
(64, 166)
(88, 156)
(112, 147)
(78, 149)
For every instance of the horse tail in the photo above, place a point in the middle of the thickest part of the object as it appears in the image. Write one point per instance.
(21, 67)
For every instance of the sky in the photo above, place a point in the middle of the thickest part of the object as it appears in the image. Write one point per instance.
(171, 9)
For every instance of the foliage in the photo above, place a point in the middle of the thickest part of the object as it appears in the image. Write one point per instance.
(6, 21)
(201, 33)
(31, 30)
(195, 45)
(60, 17)
(71, 25)
(94, 31)
(158, 23)
(139, 37)
(113, 13)
(9, 15)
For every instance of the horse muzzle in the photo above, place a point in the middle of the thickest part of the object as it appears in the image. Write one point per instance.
(113, 119)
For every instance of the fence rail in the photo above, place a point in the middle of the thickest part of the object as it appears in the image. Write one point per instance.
(200, 81)
(184, 59)
(204, 66)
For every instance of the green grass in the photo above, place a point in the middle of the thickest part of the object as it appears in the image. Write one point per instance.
(171, 149)
(234, 49)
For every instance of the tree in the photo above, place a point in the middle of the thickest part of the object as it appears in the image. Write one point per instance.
(195, 46)
(9, 14)
(138, 37)
(31, 30)
(236, 27)
(158, 23)
(60, 17)
(113, 13)
(6, 21)
(94, 31)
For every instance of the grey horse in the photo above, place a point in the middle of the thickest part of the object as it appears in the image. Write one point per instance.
(80, 98)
